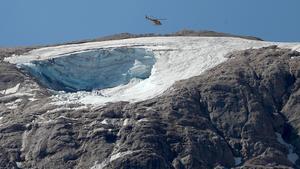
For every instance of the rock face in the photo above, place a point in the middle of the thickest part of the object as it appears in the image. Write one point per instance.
(244, 113)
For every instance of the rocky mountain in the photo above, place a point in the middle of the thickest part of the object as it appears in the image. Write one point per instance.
(215, 102)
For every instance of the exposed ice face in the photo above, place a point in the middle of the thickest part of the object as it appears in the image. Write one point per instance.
(94, 69)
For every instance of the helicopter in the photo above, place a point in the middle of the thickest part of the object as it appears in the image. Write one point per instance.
(155, 21)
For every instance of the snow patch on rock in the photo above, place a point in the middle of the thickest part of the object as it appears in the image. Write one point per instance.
(143, 120)
(111, 159)
(1, 118)
(19, 164)
(10, 90)
(237, 161)
(67, 109)
(105, 122)
(14, 104)
(119, 155)
(126, 122)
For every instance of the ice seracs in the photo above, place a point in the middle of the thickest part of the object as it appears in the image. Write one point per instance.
(92, 70)
(151, 65)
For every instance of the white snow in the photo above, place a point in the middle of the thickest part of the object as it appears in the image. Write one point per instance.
(111, 122)
(126, 122)
(104, 121)
(176, 58)
(237, 160)
(18, 100)
(1, 118)
(24, 140)
(66, 109)
(32, 99)
(29, 90)
(112, 158)
(10, 90)
(68, 118)
(292, 157)
(119, 155)
(19, 164)
(14, 104)
(143, 120)
(99, 166)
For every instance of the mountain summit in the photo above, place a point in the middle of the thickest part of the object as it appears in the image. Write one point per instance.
(173, 102)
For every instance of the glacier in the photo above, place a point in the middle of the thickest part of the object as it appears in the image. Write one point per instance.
(92, 70)
(130, 69)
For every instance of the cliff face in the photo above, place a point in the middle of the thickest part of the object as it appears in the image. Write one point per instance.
(242, 113)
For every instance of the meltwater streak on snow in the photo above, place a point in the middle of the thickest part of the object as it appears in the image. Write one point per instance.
(176, 58)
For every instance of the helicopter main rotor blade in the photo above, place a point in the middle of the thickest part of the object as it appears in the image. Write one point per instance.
(151, 17)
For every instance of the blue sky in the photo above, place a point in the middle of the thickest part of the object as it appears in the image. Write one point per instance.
(36, 22)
